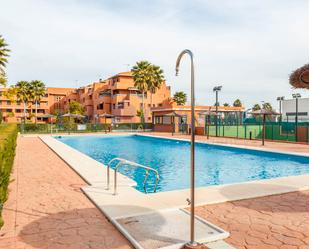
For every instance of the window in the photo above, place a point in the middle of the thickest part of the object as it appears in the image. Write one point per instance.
(167, 120)
(149, 105)
(158, 120)
(100, 106)
(114, 106)
(17, 102)
(8, 110)
(105, 93)
(160, 105)
(120, 105)
(8, 102)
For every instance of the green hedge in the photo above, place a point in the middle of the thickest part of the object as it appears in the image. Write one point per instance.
(54, 128)
(8, 134)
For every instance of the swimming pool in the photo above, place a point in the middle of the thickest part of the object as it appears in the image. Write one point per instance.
(215, 164)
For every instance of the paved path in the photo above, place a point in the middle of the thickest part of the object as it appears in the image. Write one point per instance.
(46, 208)
(273, 222)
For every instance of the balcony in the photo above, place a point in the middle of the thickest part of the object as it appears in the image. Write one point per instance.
(128, 111)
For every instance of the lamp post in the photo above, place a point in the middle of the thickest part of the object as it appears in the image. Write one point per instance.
(280, 99)
(216, 89)
(192, 244)
(296, 96)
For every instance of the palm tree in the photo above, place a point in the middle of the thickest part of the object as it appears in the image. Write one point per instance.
(180, 98)
(237, 103)
(37, 91)
(147, 77)
(267, 106)
(23, 93)
(256, 107)
(226, 104)
(141, 78)
(4, 53)
(156, 81)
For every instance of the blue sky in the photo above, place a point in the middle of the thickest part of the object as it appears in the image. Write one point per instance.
(249, 47)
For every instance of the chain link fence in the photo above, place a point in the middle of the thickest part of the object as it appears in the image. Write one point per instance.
(276, 131)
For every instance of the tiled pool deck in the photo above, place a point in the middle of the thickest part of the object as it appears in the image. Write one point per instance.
(47, 210)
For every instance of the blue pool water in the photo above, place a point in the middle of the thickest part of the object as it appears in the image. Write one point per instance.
(214, 164)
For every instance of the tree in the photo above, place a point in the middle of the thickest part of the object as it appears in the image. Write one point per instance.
(38, 90)
(267, 106)
(140, 114)
(23, 93)
(237, 103)
(256, 107)
(180, 98)
(4, 53)
(147, 77)
(76, 108)
(226, 104)
(156, 81)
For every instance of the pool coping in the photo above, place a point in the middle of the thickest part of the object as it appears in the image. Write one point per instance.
(131, 202)
(287, 183)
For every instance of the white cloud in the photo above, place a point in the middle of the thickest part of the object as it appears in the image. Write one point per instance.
(249, 47)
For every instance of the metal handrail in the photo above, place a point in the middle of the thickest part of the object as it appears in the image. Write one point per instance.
(127, 162)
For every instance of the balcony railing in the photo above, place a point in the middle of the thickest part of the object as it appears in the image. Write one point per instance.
(127, 111)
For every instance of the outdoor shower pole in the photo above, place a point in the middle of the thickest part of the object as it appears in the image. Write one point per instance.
(216, 113)
(192, 244)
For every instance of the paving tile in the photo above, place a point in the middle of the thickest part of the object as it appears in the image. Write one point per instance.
(46, 208)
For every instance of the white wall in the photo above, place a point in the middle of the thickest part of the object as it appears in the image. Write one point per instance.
(289, 106)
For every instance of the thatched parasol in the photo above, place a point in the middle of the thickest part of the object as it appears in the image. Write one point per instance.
(264, 112)
(300, 77)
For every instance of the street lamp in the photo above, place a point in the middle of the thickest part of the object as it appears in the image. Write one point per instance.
(296, 96)
(280, 99)
(216, 89)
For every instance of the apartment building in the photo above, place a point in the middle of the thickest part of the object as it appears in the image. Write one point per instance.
(116, 96)
(13, 110)
(120, 98)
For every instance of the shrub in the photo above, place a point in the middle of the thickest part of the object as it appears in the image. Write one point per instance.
(8, 134)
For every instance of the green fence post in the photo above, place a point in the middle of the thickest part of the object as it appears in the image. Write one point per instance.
(272, 131)
(222, 130)
(245, 131)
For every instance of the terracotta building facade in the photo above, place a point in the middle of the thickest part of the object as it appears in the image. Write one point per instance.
(13, 110)
(115, 96)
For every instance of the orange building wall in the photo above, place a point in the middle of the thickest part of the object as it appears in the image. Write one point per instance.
(13, 111)
(116, 96)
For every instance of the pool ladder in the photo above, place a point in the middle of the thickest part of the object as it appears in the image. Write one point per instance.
(122, 162)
